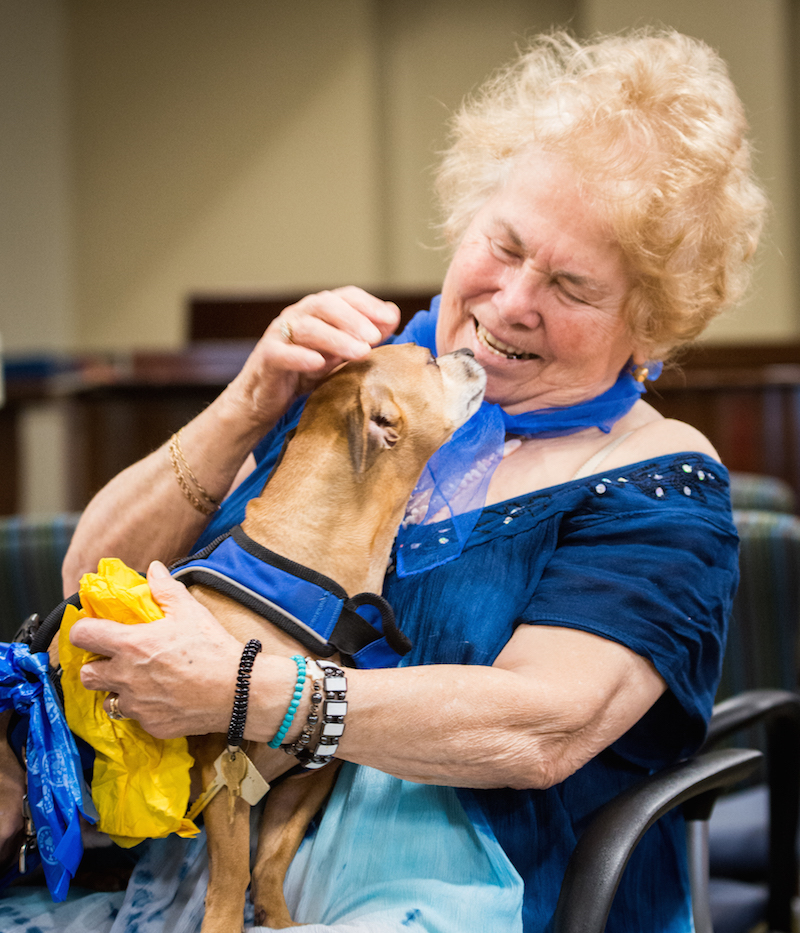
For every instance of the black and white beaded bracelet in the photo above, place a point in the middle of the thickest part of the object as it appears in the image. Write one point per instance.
(334, 710)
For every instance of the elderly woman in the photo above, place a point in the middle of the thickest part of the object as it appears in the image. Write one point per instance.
(601, 209)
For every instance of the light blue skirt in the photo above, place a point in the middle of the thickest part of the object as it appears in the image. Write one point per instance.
(389, 856)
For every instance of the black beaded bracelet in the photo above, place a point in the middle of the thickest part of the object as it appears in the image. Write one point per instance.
(334, 709)
(242, 695)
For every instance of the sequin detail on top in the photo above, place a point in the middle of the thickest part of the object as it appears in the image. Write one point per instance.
(687, 475)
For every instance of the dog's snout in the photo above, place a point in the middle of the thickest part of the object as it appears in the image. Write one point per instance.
(465, 382)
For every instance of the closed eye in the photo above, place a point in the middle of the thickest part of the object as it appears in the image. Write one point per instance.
(503, 252)
(589, 291)
(571, 296)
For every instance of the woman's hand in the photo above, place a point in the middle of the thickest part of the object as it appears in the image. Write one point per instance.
(305, 343)
(176, 675)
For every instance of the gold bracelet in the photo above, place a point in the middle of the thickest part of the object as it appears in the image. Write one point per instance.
(200, 499)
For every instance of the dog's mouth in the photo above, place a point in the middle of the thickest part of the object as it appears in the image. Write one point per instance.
(499, 348)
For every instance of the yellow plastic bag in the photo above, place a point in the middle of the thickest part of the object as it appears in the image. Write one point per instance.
(140, 784)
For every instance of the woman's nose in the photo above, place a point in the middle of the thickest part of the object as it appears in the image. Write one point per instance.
(518, 299)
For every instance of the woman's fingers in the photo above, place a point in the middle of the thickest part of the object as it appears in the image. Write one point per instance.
(312, 332)
(155, 668)
(98, 636)
(307, 341)
(340, 324)
(354, 311)
(174, 599)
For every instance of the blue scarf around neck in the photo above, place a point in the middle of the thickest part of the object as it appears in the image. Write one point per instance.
(446, 504)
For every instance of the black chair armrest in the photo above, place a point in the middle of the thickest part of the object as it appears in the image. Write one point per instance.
(599, 859)
(752, 706)
(779, 711)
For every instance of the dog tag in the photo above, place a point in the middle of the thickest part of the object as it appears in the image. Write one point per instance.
(241, 776)
(253, 786)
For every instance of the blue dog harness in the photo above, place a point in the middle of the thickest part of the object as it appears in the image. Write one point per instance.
(307, 605)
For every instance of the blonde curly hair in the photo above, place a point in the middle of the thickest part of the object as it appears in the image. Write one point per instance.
(651, 122)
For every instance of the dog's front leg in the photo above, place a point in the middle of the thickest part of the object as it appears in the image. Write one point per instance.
(228, 835)
(289, 808)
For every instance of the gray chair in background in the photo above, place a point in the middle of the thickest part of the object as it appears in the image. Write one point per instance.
(752, 830)
(754, 491)
(31, 553)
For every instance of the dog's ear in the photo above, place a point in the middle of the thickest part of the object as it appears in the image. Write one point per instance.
(373, 425)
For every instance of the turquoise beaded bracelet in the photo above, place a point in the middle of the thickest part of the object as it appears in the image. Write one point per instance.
(300, 661)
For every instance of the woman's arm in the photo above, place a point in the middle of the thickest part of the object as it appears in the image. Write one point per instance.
(142, 513)
(554, 698)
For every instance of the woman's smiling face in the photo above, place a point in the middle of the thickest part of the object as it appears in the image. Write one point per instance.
(536, 290)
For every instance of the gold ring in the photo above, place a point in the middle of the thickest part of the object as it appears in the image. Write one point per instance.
(286, 330)
(113, 709)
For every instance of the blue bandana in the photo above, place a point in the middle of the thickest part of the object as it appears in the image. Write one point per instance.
(447, 488)
(57, 793)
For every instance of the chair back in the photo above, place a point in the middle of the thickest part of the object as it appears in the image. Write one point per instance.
(765, 622)
(756, 491)
(31, 553)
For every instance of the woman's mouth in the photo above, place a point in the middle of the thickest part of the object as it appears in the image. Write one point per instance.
(496, 346)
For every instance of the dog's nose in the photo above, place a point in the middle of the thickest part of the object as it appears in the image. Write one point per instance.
(464, 351)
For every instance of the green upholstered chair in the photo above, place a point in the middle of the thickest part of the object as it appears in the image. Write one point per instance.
(763, 639)
(756, 491)
(750, 837)
(31, 553)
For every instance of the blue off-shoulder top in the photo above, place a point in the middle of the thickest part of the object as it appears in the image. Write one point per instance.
(645, 555)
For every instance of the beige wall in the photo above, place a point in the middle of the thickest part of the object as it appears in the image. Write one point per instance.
(263, 146)
(432, 53)
(155, 148)
(752, 36)
(218, 147)
(36, 233)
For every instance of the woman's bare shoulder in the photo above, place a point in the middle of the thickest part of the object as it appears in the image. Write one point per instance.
(655, 436)
(670, 436)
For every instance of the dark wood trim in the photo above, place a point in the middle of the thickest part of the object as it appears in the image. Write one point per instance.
(243, 317)
(745, 399)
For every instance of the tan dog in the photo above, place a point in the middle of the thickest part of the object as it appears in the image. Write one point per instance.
(333, 505)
